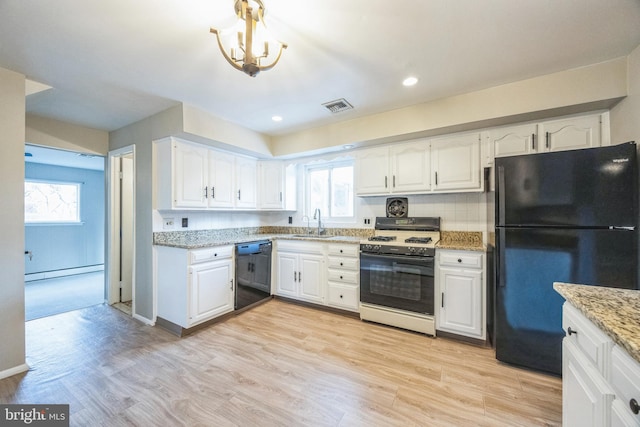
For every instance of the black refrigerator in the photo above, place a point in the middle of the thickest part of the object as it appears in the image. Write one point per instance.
(568, 216)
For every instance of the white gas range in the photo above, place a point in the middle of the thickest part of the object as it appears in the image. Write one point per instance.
(397, 273)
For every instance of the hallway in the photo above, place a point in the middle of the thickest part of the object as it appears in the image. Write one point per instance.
(61, 294)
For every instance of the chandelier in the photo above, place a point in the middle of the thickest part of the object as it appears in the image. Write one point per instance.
(250, 42)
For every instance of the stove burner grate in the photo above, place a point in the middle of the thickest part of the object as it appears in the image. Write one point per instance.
(423, 240)
(382, 238)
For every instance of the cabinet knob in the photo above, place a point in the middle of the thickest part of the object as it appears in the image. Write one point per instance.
(341, 251)
(341, 264)
(215, 254)
(631, 399)
(633, 404)
(571, 331)
(341, 277)
(459, 259)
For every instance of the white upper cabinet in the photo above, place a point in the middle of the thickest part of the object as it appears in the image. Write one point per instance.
(221, 176)
(246, 181)
(372, 171)
(514, 140)
(410, 167)
(271, 179)
(455, 163)
(399, 169)
(572, 133)
(193, 176)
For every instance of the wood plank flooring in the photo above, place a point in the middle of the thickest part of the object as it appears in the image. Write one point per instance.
(279, 364)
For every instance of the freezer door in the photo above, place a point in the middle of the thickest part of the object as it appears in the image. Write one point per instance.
(581, 188)
(528, 311)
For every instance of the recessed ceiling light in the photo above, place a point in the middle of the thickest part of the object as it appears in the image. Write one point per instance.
(276, 118)
(409, 81)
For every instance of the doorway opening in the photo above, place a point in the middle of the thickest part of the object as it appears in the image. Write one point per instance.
(121, 230)
(64, 231)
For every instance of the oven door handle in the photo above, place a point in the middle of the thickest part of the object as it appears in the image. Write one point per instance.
(405, 259)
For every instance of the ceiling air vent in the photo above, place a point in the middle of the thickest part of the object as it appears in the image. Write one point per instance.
(338, 106)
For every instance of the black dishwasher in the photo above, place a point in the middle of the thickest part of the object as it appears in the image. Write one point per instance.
(253, 273)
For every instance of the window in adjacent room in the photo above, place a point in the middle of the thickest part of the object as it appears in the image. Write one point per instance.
(330, 188)
(51, 202)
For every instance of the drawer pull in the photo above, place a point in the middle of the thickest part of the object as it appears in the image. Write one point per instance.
(571, 331)
(340, 277)
(341, 264)
(635, 408)
(459, 259)
(631, 400)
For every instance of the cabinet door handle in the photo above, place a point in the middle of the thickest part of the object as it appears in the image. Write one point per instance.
(533, 142)
(299, 276)
(231, 284)
(206, 195)
(295, 277)
(213, 192)
(633, 405)
(394, 181)
(436, 178)
(547, 140)
(385, 182)
(442, 300)
(238, 194)
(571, 331)
(281, 196)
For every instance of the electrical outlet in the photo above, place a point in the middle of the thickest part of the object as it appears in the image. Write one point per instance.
(185, 222)
(168, 224)
(367, 221)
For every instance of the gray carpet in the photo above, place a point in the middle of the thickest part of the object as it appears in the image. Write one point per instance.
(53, 296)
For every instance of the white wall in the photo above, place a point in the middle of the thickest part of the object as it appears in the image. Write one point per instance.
(12, 123)
(65, 136)
(625, 117)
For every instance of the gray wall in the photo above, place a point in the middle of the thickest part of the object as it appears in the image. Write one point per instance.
(12, 123)
(58, 247)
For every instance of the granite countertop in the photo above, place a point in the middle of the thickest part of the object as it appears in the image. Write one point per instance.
(196, 239)
(615, 311)
(461, 240)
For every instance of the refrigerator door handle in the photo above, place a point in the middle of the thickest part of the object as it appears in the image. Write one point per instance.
(500, 274)
(500, 195)
(622, 228)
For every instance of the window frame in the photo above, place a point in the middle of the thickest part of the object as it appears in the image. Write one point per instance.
(77, 221)
(329, 166)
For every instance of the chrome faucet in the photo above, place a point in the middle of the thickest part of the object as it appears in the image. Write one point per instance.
(316, 215)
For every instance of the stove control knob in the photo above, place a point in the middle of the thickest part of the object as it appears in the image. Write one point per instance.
(376, 247)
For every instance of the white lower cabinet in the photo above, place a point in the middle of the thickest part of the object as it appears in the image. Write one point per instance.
(600, 381)
(325, 274)
(343, 274)
(300, 271)
(460, 293)
(194, 285)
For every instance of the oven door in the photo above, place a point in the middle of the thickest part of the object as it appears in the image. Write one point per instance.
(401, 282)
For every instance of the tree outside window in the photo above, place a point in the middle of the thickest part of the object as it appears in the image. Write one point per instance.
(50, 202)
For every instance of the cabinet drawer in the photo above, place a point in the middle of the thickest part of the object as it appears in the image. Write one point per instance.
(208, 254)
(299, 247)
(625, 379)
(593, 343)
(344, 296)
(343, 263)
(461, 259)
(344, 250)
(344, 276)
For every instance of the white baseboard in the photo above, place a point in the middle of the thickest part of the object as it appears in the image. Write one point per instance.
(13, 371)
(144, 320)
(61, 273)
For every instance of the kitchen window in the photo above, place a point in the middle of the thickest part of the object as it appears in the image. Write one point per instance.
(330, 189)
(47, 202)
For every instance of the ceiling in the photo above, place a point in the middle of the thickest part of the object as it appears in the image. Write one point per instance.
(51, 156)
(112, 63)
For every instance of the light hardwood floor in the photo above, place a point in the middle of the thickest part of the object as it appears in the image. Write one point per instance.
(279, 364)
